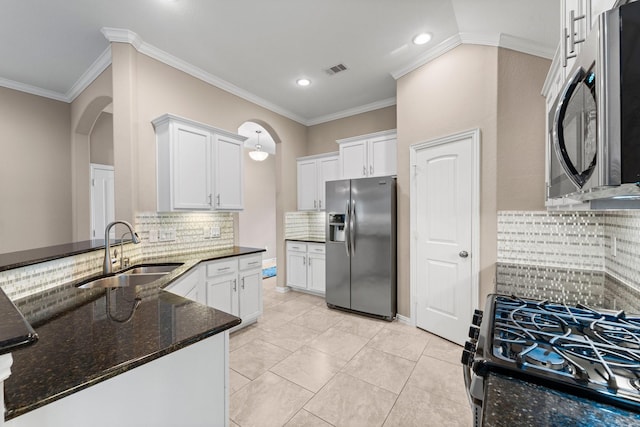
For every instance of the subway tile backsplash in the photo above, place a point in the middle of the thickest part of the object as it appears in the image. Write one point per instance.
(606, 241)
(189, 238)
(304, 225)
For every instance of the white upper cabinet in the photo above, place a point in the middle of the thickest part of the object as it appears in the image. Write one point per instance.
(313, 173)
(368, 155)
(199, 167)
(228, 182)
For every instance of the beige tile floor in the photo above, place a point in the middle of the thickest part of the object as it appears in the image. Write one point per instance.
(303, 364)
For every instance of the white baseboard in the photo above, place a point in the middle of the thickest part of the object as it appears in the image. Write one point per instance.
(283, 289)
(404, 320)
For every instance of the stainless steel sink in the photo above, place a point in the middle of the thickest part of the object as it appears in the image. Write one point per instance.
(152, 269)
(122, 280)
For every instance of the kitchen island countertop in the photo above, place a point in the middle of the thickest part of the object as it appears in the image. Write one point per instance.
(81, 344)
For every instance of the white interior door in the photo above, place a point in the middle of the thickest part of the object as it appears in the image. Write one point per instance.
(102, 200)
(444, 179)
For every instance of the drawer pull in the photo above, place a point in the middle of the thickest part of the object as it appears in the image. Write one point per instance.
(253, 263)
(224, 269)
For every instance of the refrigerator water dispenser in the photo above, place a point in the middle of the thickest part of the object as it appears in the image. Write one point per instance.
(336, 227)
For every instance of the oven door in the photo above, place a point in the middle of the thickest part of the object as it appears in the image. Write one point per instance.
(574, 132)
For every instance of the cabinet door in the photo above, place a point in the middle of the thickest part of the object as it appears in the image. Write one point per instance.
(382, 156)
(191, 168)
(353, 159)
(297, 269)
(328, 170)
(250, 294)
(307, 199)
(222, 293)
(189, 286)
(228, 174)
(316, 272)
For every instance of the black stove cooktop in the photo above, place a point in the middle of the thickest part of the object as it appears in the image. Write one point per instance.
(593, 352)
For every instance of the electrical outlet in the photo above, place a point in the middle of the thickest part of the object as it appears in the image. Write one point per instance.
(167, 235)
(215, 232)
(153, 236)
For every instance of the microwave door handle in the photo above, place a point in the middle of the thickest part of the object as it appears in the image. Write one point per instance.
(558, 131)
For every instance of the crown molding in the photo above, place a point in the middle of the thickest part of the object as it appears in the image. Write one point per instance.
(485, 39)
(352, 111)
(126, 36)
(92, 73)
(525, 46)
(33, 90)
(431, 54)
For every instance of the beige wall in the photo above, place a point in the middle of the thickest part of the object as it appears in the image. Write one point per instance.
(322, 138)
(35, 172)
(152, 88)
(85, 109)
(455, 92)
(257, 222)
(497, 91)
(521, 135)
(101, 140)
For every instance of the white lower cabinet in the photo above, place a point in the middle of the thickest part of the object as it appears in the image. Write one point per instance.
(306, 266)
(232, 285)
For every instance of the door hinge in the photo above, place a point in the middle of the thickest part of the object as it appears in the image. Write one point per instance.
(93, 182)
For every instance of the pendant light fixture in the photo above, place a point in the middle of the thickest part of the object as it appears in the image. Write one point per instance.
(257, 154)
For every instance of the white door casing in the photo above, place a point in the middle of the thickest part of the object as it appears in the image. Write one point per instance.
(445, 188)
(102, 199)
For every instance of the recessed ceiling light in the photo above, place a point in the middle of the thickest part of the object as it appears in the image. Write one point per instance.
(303, 82)
(422, 38)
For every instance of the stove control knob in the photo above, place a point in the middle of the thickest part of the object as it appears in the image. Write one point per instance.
(474, 332)
(470, 347)
(467, 358)
(477, 317)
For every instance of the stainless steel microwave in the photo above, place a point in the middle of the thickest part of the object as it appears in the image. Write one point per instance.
(595, 131)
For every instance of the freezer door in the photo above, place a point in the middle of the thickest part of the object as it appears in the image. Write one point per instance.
(338, 291)
(373, 253)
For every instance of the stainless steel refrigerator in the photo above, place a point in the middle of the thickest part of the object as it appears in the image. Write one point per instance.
(361, 245)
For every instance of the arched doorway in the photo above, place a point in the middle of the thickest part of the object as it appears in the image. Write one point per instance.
(257, 222)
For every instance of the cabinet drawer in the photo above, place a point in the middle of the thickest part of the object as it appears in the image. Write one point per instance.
(249, 262)
(222, 267)
(316, 249)
(296, 246)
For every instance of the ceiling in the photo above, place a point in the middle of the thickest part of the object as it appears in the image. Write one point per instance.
(257, 48)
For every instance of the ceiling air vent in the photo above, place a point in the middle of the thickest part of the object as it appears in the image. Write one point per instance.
(336, 69)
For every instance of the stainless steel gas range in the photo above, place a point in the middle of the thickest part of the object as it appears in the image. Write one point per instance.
(577, 350)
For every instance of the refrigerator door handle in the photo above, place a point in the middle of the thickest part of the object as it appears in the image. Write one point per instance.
(352, 227)
(347, 231)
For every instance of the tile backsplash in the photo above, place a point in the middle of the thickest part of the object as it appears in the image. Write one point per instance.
(189, 238)
(607, 241)
(304, 225)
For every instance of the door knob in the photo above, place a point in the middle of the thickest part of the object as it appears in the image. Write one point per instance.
(463, 254)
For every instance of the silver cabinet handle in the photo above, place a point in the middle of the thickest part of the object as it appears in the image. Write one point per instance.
(234, 285)
(310, 261)
(210, 201)
(218, 199)
(463, 254)
(370, 169)
(364, 170)
(315, 202)
(243, 283)
(223, 269)
(319, 204)
(253, 262)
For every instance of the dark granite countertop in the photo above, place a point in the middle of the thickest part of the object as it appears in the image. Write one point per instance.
(17, 259)
(15, 331)
(80, 343)
(306, 240)
(512, 402)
